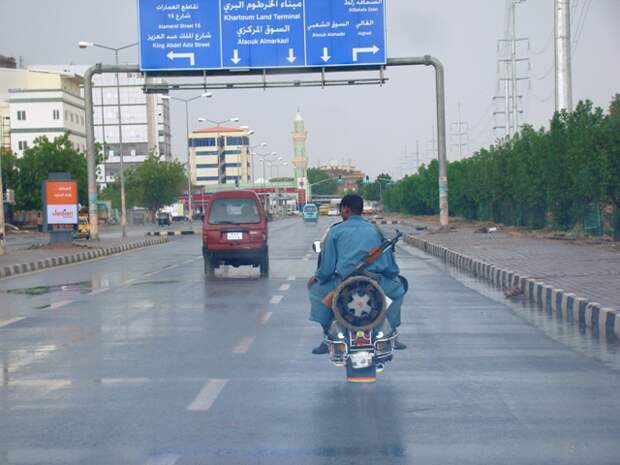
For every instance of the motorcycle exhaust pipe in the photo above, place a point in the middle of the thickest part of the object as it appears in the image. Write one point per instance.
(380, 367)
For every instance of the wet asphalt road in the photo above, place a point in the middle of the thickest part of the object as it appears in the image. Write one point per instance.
(136, 360)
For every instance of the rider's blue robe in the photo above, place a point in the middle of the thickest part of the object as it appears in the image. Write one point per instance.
(345, 245)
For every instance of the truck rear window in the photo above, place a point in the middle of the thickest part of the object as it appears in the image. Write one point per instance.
(234, 211)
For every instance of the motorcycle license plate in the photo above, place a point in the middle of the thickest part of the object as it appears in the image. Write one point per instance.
(360, 360)
(234, 236)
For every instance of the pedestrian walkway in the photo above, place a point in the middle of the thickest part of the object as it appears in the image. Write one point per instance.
(588, 271)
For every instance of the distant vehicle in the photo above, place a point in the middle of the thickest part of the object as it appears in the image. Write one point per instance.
(310, 212)
(324, 210)
(334, 207)
(178, 219)
(235, 232)
(164, 219)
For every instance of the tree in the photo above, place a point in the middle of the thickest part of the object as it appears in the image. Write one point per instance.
(155, 183)
(316, 175)
(46, 157)
(8, 163)
(612, 149)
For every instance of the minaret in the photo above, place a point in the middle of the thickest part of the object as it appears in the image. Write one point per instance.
(300, 161)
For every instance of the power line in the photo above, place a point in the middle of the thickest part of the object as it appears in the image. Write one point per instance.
(581, 25)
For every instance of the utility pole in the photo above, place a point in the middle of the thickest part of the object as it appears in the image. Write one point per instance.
(460, 129)
(2, 230)
(563, 66)
(509, 77)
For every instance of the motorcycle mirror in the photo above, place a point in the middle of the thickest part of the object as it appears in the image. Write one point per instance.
(317, 246)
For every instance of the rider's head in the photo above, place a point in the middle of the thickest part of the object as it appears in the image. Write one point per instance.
(351, 204)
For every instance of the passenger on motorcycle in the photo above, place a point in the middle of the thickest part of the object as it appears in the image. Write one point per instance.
(346, 244)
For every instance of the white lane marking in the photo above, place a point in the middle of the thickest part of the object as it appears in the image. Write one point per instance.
(11, 321)
(198, 256)
(285, 287)
(129, 281)
(168, 459)
(187, 261)
(244, 345)
(305, 259)
(99, 291)
(172, 267)
(276, 299)
(60, 304)
(265, 317)
(209, 394)
(291, 278)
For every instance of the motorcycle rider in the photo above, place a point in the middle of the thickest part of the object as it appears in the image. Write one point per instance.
(346, 244)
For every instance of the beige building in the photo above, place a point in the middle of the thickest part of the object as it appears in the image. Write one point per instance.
(349, 174)
(220, 155)
(39, 104)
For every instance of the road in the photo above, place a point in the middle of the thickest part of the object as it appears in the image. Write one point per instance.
(137, 360)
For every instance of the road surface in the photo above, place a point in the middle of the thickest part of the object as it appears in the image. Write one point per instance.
(137, 360)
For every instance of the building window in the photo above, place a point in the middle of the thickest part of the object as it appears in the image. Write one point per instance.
(201, 166)
(210, 142)
(66, 115)
(71, 116)
(237, 141)
(82, 120)
(56, 114)
(22, 145)
(21, 115)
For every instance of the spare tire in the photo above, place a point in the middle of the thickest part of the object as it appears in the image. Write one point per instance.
(359, 304)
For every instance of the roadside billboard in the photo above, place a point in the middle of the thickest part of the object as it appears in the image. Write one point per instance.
(62, 202)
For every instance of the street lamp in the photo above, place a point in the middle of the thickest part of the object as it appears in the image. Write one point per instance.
(217, 123)
(264, 158)
(251, 153)
(187, 101)
(83, 45)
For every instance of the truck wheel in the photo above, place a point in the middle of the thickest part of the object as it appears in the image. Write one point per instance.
(264, 265)
(209, 268)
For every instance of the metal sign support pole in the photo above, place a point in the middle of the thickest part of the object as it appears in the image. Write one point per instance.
(426, 60)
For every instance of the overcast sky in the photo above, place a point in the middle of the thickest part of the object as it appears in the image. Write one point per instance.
(372, 126)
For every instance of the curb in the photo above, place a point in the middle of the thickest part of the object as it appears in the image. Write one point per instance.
(14, 270)
(566, 305)
(172, 233)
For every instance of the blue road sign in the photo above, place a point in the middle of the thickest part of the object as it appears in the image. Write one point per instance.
(228, 34)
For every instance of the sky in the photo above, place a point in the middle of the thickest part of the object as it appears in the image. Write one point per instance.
(379, 129)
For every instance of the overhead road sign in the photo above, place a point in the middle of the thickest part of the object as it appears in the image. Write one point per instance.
(260, 34)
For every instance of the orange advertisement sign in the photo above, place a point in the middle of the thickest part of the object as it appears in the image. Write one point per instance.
(62, 193)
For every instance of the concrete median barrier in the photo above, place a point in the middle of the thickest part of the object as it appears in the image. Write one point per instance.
(21, 268)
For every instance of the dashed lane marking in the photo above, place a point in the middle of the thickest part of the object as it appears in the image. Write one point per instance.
(244, 345)
(207, 397)
(265, 317)
(276, 299)
(291, 278)
(60, 304)
(11, 321)
(168, 459)
(99, 291)
(285, 287)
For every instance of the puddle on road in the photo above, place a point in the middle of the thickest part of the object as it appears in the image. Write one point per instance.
(153, 283)
(83, 287)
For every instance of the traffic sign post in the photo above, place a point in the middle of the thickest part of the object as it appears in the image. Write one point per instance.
(260, 34)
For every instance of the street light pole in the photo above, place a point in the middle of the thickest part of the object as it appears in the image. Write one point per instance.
(187, 129)
(83, 44)
(2, 229)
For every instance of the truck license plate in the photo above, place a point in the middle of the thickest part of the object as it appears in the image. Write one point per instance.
(234, 236)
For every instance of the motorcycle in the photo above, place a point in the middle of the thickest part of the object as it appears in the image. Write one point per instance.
(361, 338)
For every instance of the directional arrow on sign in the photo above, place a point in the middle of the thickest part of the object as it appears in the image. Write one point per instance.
(192, 58)
(325, 57)
(235, 59)
(356, 51)
(291, 56)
